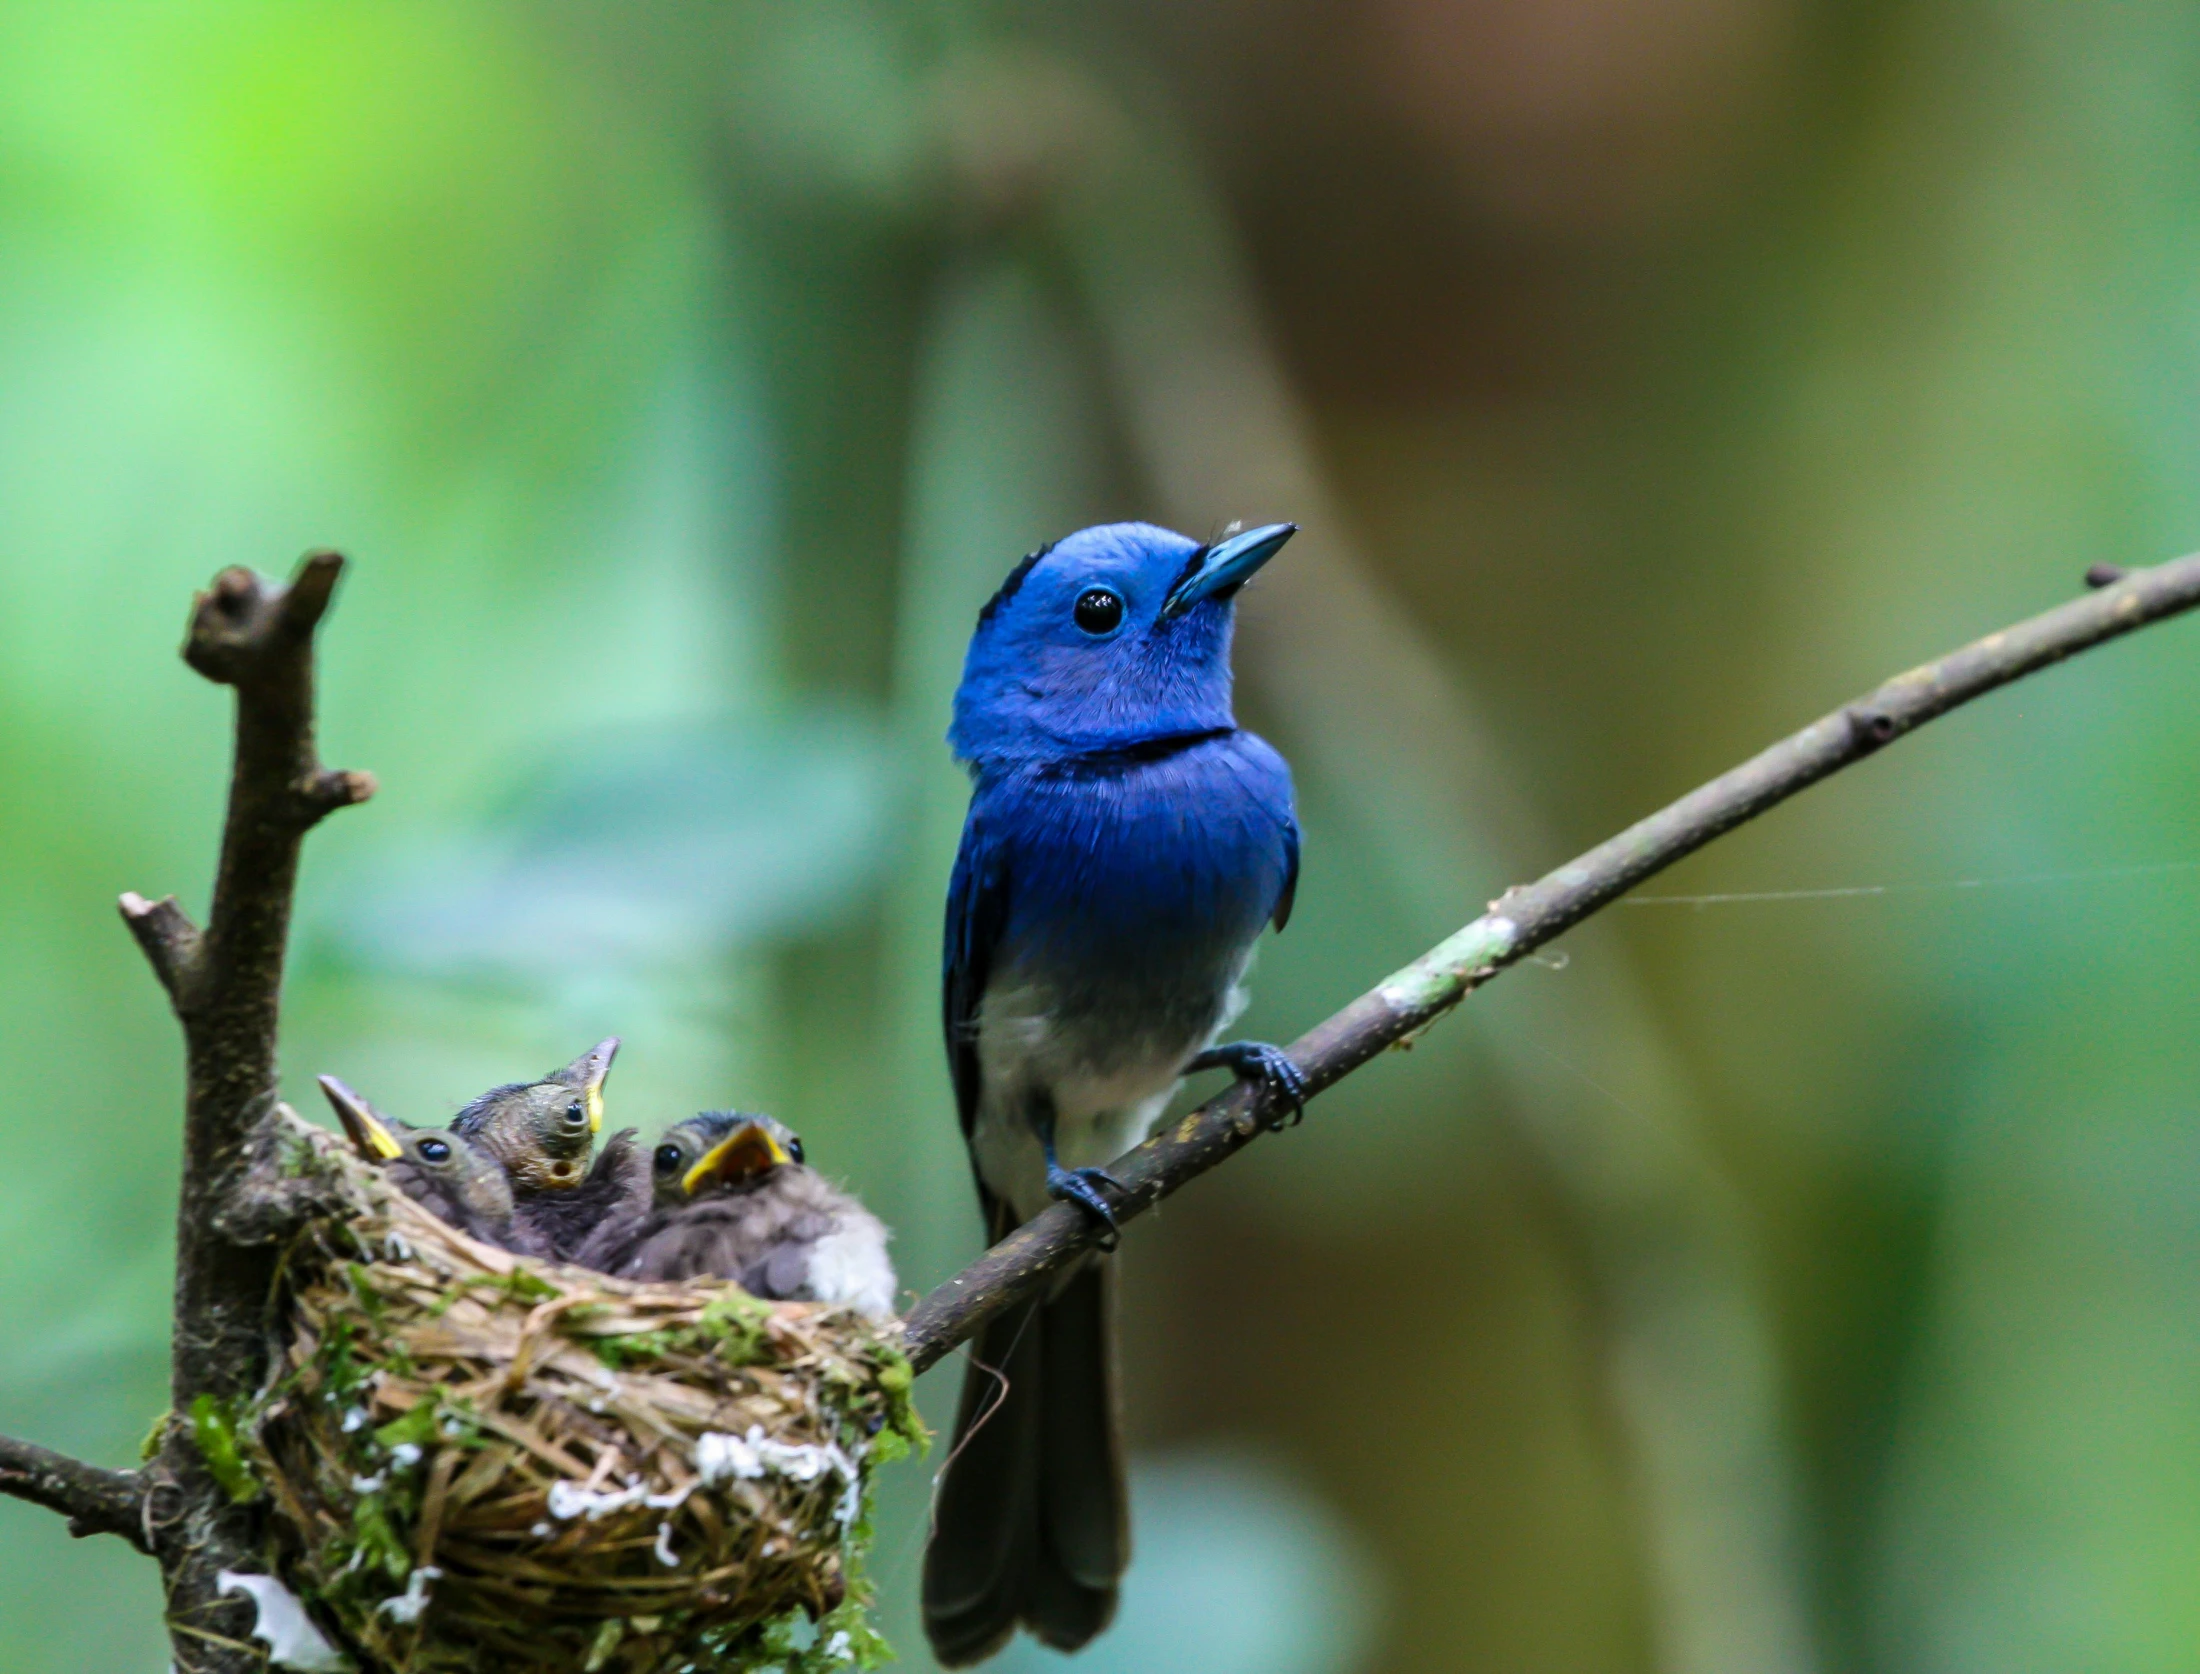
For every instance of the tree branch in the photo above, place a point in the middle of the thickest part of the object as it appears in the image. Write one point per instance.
(226, 983)
(252, 634)
(170, 940)
(95, 1501)
(1527, 916)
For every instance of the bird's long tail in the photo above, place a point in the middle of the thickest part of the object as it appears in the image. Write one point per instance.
(1032, 1525)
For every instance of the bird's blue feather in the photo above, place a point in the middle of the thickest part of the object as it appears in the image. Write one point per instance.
(1125, 846)
(1126, 841)
(1037, 687)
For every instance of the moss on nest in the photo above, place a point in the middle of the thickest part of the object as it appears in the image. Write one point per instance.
(478, 1462)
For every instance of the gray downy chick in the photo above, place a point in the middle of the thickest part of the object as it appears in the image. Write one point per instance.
(456, 1180)
(543, 1132)
(735, 1200)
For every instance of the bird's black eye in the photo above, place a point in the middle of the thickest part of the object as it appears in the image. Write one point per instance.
(668, 1158)
(435, 1150)
(1099, 611)
(576, 1113)
(794, 1147)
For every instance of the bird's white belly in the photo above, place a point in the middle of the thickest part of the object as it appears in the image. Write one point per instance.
(849, 1265)
(1108, 1087)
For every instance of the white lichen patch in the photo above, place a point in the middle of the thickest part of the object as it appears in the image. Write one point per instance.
(1438, 974)
(568, 1500)
(408, 1606)
(720, 1457)
(283, 1626)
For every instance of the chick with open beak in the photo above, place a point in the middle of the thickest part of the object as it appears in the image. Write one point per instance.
(543, 1132)
(446, 1173)
(735, 1199)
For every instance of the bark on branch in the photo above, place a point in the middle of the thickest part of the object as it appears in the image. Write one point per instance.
(1527, 916)
(95, 1501)
(225, 983)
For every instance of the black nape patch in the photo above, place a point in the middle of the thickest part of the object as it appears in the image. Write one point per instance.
(1007, 589)
(1191, 566)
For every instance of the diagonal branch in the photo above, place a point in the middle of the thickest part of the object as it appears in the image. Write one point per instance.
(225, 983)
(1529, 915)
(94, 1500)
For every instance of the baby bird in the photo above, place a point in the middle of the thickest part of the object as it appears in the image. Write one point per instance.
(735, 1200)
(542, 1132)
(445, 1173)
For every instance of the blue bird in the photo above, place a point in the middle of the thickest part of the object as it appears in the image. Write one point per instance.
(1126, 845)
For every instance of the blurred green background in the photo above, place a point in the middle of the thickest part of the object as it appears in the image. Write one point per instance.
(1767, 1287)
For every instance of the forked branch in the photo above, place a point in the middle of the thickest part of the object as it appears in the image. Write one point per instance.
(1529, 915)
(225, 983)
(257, 636)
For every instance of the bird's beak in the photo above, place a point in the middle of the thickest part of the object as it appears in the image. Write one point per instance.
(1226, 566)
(365, 1126)
(742, 1155)
(587, 1072)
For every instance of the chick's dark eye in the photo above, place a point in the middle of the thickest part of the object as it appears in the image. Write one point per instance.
(794, 1149)
(435, 1150)
(576, 1112)
(1098, 611)
(668, 1158)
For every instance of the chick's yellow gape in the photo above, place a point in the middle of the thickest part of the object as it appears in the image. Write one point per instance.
(461, 1182)
(733, 1198)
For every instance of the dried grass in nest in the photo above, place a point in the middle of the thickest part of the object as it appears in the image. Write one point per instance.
(478, 1462)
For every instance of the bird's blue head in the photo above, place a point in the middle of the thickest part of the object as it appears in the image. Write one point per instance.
(1115, 635)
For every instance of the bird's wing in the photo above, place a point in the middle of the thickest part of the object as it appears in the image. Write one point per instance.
(1290, 890)
(977, 913)
(639, 1255)
(1267, 775)
(781, 1270)
(706, 1239)
(616, 1198)
(977, 908)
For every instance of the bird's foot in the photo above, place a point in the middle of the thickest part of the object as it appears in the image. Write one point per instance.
(1081, 1186)
(1280, 1080)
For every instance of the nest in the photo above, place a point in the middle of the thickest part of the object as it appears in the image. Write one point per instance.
(479, 1462)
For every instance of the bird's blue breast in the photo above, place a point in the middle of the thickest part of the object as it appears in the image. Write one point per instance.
(1136, 880)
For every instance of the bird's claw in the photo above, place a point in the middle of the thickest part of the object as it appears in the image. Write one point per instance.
(1081, 1186)
(1281, 1081)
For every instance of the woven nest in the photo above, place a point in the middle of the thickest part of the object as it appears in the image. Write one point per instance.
(478, 1462)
